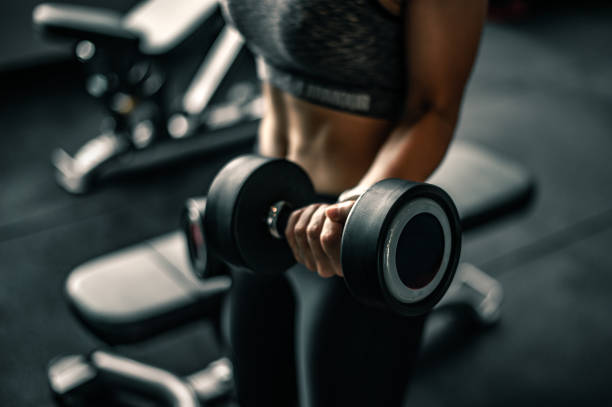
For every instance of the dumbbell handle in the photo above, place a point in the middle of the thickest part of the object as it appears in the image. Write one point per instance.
(278, 217)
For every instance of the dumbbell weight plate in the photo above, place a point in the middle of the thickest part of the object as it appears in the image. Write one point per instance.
(401, 246)
(193, 230)
(238, 203)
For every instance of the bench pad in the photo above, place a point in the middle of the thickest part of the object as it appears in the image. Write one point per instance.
(143, 290)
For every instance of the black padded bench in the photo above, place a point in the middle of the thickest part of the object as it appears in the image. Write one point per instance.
(144, 290)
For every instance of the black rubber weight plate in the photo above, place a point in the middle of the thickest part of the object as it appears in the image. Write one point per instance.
(363, 241)
(238, 203)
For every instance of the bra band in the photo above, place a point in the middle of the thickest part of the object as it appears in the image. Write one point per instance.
(379, 103)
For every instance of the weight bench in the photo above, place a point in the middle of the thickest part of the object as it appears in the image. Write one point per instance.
(144, 290)
(156, 69)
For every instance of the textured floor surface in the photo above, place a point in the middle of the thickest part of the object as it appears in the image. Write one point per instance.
(541, 94)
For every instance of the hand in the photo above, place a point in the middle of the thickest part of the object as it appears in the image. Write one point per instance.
(314, 234)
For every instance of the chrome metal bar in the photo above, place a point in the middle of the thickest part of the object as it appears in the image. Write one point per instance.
(212, 71)
(145, 379)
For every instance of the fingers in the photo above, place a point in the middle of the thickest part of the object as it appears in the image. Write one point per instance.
(331, 241)
(315, 240)
(340, 211)
(297, 238)
(323, 263)
(290, 236)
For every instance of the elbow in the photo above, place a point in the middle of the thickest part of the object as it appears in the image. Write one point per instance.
(444, 107)
(437, 118)
(443, 102)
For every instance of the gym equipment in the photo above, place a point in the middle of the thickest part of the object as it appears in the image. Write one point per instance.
(203, 262)
(171, 76)
(485, 187)
(193, 228)
(78, 380)
(400, 245)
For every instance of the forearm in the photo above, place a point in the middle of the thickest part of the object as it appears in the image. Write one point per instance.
(414, 149)
(442, 39)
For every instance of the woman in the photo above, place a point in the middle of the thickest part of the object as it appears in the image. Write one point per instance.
(356, 91)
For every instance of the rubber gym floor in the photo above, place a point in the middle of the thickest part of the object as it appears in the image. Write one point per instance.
(541, 94)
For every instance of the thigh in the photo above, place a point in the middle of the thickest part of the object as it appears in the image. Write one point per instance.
(350, 354)
(259, 325)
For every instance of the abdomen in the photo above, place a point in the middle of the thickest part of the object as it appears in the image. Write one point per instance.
(335, 148)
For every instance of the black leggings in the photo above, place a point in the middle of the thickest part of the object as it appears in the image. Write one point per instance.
(297, 336)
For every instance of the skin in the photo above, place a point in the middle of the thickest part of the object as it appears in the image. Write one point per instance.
(340, 150)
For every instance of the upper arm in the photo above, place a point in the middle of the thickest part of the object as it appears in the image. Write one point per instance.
(441, 42)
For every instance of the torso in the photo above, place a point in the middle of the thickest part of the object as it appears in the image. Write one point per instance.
(322, 53)
(335, 148)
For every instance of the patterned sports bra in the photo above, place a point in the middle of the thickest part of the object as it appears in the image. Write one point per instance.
(343, 54)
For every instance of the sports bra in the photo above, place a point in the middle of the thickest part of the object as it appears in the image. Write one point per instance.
(343, 54)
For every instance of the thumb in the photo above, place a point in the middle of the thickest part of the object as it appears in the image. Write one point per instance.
(340, 211)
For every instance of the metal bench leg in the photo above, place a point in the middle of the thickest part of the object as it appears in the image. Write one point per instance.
(476, 290)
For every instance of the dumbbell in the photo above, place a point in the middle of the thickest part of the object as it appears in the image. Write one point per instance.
(204, 263)
(400, 244)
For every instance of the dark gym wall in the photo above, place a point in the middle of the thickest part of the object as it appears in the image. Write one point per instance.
(19, 44)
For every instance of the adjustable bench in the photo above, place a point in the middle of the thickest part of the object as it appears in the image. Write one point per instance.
(147, 289)
(171, 76)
